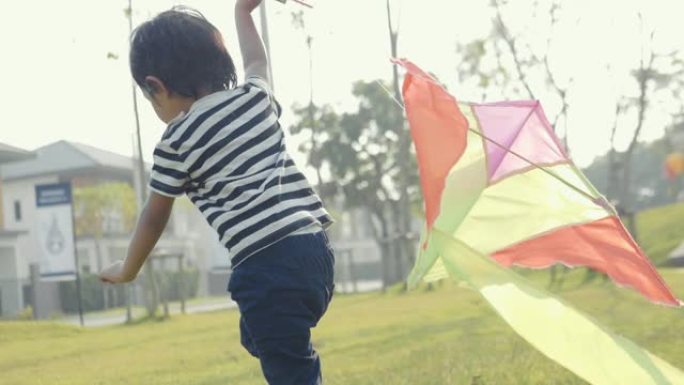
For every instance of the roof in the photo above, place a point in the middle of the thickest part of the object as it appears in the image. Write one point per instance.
(12, 154)
(65, 157)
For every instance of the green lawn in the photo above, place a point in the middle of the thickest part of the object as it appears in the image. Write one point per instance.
(661, 230)
(444, 336)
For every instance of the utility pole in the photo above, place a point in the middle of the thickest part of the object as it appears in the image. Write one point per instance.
(142, 194)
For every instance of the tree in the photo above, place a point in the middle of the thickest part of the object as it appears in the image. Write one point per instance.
(101, 209)
(505, 63)
(648, 179)
(657, 74)
(108, 207)
(613, 177)
(310, 124)
(361, 151)
(368, 153)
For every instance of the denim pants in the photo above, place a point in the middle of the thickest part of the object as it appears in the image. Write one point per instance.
(282, 292)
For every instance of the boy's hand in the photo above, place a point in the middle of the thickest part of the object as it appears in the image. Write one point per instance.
(248, 5)
(150, 226)
(114, 273)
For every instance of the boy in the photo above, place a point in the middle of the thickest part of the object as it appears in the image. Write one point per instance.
(224, 148)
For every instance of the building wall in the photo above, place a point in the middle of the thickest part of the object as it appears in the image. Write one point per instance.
(22, 191)
(10, 289)
(203, 247)
(2, 216)
(26, 251)
(12, 300)
(188, 232)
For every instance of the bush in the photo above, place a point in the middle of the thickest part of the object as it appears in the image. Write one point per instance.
(170, 284)
(26, 314)
(92, 292)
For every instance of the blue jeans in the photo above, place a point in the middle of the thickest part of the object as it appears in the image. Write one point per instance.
(282, 292)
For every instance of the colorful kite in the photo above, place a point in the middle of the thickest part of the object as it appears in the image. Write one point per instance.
(500, 190)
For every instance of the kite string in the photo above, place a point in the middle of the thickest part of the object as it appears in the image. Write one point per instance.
(506, 149)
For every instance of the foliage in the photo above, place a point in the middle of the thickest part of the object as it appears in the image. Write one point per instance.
(102, 208)
(92, 294)
(92, 290)
(171, 283)
(363, 152)
(649, 182)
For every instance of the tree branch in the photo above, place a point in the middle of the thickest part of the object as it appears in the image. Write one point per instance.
(510, 42)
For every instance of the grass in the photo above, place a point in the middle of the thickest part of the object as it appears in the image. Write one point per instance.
(427, 337)
(661, 230)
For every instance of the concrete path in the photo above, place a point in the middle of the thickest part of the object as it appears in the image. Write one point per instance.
(107, 319)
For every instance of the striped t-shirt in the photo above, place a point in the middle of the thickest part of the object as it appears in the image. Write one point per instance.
(227, 153)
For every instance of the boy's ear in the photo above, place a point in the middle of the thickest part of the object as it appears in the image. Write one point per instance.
(153, 86)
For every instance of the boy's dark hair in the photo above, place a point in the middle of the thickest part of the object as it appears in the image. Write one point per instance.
(183, 50)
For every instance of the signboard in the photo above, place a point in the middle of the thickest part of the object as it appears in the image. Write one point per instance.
(55, 232)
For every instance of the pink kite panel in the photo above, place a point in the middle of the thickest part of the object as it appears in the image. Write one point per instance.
(518, 135)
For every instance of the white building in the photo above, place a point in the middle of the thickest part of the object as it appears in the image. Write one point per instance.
(83, 165)
(12, 243)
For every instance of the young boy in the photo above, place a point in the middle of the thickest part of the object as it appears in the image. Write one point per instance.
(224, 148)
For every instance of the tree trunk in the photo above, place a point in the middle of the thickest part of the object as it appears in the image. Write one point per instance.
(405, 255)
(151, 289)
(613, 161)
(100, 267)
(644, 77)
(314, 124)
(510, 42)
(381, 237)
(397, 241)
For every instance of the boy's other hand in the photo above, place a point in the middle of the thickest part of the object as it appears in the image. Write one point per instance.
(114, 273)
(248, 5)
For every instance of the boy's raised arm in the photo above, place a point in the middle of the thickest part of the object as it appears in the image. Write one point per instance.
(253, 52)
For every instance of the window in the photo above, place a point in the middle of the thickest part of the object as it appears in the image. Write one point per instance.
(17, 211)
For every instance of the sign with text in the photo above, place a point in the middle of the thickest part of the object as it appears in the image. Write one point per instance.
(55, 232)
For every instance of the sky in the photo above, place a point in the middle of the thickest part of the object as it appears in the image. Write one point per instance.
(59, 81)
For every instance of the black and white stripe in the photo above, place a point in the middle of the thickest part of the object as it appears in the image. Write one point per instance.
(228, 155)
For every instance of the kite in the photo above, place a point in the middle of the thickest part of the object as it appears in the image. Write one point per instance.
(674, 166)
(501, 191)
